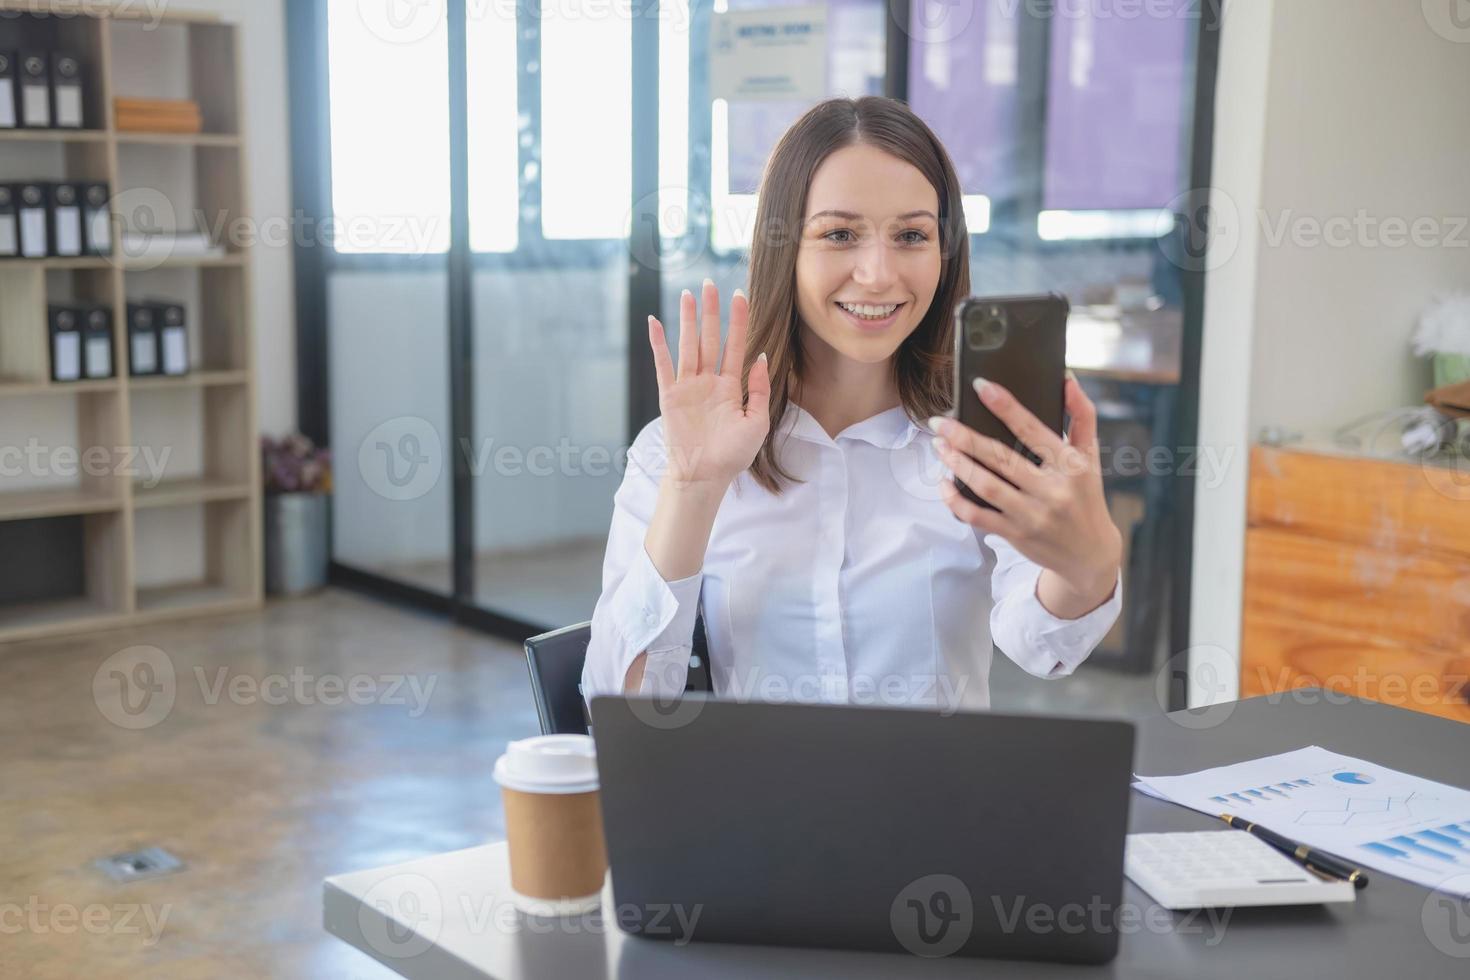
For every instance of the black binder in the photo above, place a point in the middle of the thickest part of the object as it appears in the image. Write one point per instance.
(66, 344)
(9, 117)
(97, 359)
(66, 220)
(35, 90)
(35, 237)
(9, 224)
(66, 91)
(173, 338)
(97, 219)
(142, 340)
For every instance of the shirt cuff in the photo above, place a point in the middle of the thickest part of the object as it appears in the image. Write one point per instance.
(657, 617)
(1068, 641)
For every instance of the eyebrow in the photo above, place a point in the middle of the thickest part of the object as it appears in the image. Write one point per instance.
(850, 216)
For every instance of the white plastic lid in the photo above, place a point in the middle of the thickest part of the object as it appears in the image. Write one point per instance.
(549, 764)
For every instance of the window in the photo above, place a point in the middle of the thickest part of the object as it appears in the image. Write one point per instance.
(495, 128)
(586, 121)
(390, 131)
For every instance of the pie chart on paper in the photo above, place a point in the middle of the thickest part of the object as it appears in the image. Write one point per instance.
(1355, 778)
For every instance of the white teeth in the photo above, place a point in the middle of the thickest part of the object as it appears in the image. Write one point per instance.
(870, 312)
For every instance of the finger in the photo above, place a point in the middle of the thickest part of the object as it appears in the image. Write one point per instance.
(709, 331)
(989, 521)
(734, 361)
(982, 482)
(1083, 434)
(1026, 427)
(759, 386)
(663, 366)
(994, 455)
(688, 341)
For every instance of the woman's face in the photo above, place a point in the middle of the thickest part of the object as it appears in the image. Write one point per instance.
(869, 260)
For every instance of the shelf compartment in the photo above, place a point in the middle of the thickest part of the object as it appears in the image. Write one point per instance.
(196, 557)
(80, 461)
(195, 434)
(216, 308)
(194, 60)
(32, 28)
(184, 185)
(64, 573)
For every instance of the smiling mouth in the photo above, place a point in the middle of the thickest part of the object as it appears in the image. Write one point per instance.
(871, 314)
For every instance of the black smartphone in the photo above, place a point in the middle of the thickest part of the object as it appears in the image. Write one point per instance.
(1019, 342)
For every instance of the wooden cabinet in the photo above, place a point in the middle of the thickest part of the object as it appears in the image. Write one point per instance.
(1357, 579)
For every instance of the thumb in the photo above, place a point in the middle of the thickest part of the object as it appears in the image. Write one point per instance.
(1083, 434)
(758, 384)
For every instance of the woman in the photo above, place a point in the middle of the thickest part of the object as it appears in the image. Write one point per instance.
(809, 519)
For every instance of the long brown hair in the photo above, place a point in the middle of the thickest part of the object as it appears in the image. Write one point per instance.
(922, 364)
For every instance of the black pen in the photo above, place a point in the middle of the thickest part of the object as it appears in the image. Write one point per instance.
(1316, 860)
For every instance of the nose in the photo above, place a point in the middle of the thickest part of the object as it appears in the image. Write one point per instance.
(873, 268)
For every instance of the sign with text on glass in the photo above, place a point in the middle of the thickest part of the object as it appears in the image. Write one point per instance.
(769, 53)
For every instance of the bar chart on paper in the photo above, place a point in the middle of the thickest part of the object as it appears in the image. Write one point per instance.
(1376, 817)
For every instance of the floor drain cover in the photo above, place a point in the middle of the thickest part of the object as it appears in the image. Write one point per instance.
(150, 862)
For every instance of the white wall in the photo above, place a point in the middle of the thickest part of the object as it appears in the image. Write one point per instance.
(1327, 110)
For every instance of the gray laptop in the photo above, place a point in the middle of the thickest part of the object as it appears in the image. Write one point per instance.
(865, 828)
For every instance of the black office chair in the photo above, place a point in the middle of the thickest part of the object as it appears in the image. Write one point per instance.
(555, 661)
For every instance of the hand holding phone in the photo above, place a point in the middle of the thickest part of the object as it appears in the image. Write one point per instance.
(1019, 343)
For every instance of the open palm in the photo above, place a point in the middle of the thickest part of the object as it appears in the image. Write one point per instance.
(711, 431)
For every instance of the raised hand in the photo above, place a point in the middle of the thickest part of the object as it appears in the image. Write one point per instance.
(711, 431)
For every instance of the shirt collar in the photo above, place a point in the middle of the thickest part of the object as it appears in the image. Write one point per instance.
(892, 429)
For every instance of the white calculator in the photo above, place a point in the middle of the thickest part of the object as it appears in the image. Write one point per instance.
(1223, 869)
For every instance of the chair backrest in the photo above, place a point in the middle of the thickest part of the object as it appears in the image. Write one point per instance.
(555, 661)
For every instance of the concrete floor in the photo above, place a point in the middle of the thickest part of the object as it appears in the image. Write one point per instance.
(262, 800)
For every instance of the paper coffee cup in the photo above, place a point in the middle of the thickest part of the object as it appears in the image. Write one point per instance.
(553, 819)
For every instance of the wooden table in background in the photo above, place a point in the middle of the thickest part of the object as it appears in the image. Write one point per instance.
(1357, 579)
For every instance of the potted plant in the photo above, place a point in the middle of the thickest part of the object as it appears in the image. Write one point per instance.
(298, 487)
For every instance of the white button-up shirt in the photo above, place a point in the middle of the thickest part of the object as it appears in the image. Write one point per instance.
(856, 585)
